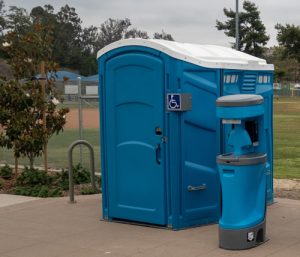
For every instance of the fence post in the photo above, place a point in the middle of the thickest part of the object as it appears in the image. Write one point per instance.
(80, 117)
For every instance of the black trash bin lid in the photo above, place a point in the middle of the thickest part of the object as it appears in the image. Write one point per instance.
(240, 160)
(239, 100)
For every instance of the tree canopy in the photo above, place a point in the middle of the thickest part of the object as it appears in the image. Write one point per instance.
(252, 32)
(163, 35)
(288, 37)
(2, 19)
(75, 46)
(28, 106)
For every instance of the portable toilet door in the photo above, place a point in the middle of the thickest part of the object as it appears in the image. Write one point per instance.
(134, 115)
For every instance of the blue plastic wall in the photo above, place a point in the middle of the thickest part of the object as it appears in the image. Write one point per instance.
(244, 195)
(248, 83)
(133, 83)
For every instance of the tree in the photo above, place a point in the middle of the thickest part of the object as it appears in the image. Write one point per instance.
(21, 118)
(2, 26)
(74, 46)
(28, 107)
(135, 33)
(67, 44)
(288, 37)
(112, 30)
(89, 39)
(2, 18)
(67, 34)
(18, 20)
(252, 32)
(88, 63)
(163, 35)
(45, 16)
(286, 69)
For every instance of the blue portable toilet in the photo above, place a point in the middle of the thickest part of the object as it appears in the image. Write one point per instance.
(159, 132)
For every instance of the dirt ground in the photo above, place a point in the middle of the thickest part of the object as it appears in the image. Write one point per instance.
(90, 118)
(287, 188)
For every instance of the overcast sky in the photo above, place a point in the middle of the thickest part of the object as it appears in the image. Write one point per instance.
(190, 21)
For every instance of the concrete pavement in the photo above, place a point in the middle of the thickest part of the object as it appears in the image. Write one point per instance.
(7, 200)
(52, 227)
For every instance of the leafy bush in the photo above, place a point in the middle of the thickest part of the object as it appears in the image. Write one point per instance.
(6, 172)
(43, 191)
(63, 180)
(34, 177)
(38, 191)
(56, 192)
(81, 175)
(87, 190)
(38, 183)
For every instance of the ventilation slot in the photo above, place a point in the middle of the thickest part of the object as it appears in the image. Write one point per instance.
(249, 83)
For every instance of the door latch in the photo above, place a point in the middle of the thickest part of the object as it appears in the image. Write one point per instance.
(196, 188)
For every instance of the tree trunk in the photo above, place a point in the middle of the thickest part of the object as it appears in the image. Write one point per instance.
(31, 161)
(45, 157)
(16, 166)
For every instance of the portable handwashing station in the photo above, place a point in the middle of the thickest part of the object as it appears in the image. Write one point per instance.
(243, 172)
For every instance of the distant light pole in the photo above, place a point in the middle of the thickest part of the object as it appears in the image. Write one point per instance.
(237, 25)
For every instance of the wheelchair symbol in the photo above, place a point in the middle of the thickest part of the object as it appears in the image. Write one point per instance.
(174, 102)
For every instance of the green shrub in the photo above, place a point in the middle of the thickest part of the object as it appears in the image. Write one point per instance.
(88, 190)
(56, 192)
(34, 177)
(81, 175)
(27, 191)
(38, 183)
(6, 172)
(63, 180)
(38, 191)
(43, 192)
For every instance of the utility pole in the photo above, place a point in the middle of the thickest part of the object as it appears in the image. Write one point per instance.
(237, 25)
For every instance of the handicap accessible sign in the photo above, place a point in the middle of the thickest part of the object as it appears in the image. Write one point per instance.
(174, 102)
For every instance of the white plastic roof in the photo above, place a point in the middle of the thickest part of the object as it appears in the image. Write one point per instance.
(210, 56)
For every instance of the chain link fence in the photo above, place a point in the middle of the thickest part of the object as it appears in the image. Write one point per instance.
(286, 90)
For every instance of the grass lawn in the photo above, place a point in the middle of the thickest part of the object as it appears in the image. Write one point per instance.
(58, 148)
(85, 104)
(287, 137)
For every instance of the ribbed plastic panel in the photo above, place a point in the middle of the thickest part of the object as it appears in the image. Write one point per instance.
(249, 83)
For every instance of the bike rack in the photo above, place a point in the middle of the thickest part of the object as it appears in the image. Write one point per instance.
(70, 159)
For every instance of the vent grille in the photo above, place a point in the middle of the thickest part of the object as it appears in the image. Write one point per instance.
(249, 83)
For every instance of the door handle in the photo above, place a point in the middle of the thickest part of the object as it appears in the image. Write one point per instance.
(196, 188)
(158, 153)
